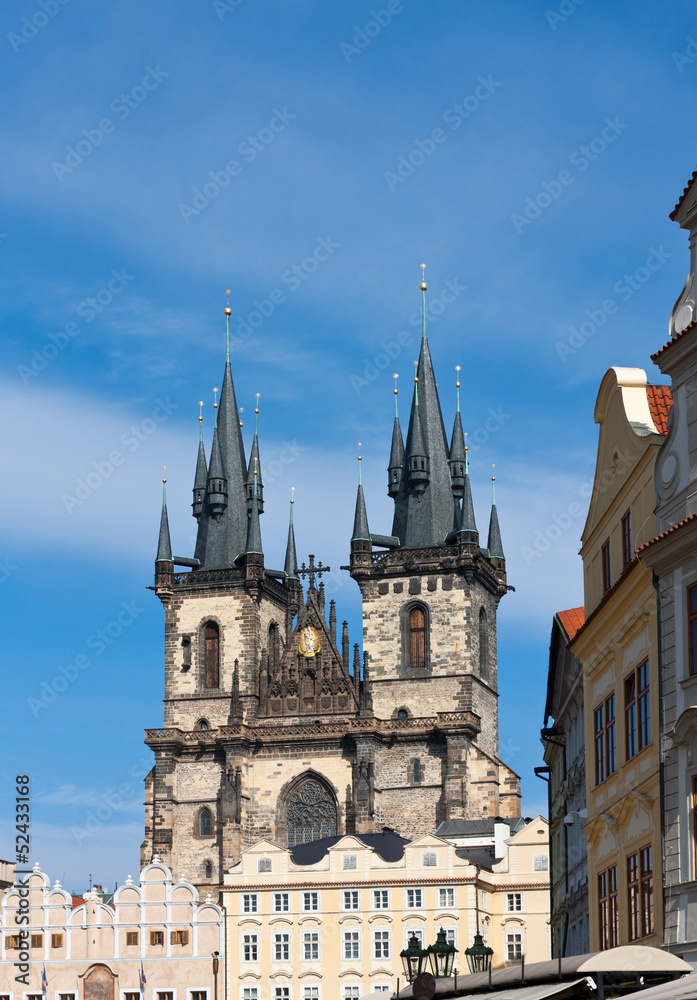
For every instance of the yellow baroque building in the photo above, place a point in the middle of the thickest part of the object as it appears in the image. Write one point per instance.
(618, 647)
(327, 920)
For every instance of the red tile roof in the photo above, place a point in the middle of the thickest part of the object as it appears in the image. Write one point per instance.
(77, 901)
(682, 196)
(660, 400)
(690, 326)
(664, 534)
(572, 620)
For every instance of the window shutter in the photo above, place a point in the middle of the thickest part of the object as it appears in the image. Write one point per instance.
(173, 937)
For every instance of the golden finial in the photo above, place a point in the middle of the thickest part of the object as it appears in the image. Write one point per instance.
(215, 399)
(241, 412)
(256, 408)
(164, 470)
(200, 412)
(423, 286)
(395, 377)
(416, 376)
(493, 477)
(457, 369)
(360, 459)
(292, 491)
(256, 466)
(466, 445)
(228, 310)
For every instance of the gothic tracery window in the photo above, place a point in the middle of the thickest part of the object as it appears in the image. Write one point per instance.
(310, 813)
(212, 645)
(205, 825)
(417, 638)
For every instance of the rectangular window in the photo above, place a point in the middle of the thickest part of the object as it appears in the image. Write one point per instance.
(281, 947)
(310, 992)
(310, 901)
(381, 944)
(131, 996)
(250, 993)
(199, 995)
(264, 865)
(62, 996)
(383, 988)
(429, 859)
(514, 947)
(349, 861)
(56, 940)
(608, 908)
(281, 902)
(179, 937)
(250, 947)
(166, 995)
(514, 902)
(637, 709)
(446, 897)
(311, 946)
(37, 941)
(605, 742)
(281, 992)
(352, 944)
(350, 992)
(416, 932)
(640, 893)
(627, 538)
(607, 570)
(132, 938)
(450, 936)
(250, 902)
(351, 899)
(157, 937)
(414, 899)
(381, 899)
(692, 627)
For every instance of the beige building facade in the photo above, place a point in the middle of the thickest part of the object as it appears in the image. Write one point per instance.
(618, 647)
(328, 920)
(94, 951)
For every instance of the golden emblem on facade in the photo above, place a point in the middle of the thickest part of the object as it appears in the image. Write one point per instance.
(309, 642)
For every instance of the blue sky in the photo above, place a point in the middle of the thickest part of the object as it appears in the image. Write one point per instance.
(155, 155)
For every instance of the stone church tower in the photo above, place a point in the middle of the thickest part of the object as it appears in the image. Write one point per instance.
(271, 727)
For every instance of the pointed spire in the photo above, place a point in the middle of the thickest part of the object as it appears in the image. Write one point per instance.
(361, 532)
(423, 515)
(216, 486)
(467, 522)
(345, 646)
(494, 544)
(253, 546)
(201, 470)
(291, 564)
(396, 464)
(164, 545)
(255, 463)
(332, 621)
(458, 455)
(356, 660)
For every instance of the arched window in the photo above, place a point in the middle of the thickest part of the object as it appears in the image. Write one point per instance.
(416, 772)
(274, 648)
(203, 725)
(483, 645)
(402, 713)
(310, 813)
(205, 823)
(212, 641)
(208, 869)
(417, 638)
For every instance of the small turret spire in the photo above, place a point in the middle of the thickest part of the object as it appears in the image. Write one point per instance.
(253, 546)
(396, 463)
(201, 471)
(164, 545)
(458, 454)
(494, 544)
(361, 532)
(255, 486)
(291, 563)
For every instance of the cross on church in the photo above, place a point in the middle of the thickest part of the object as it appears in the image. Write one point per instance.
(311, 570)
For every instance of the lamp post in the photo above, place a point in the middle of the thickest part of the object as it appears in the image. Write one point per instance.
(442, 956)
(216, 967)
(479, 955)
(413, 959)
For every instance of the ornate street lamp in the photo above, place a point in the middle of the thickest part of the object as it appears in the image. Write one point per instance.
(441, 956)
(479, 956)
(413, 959)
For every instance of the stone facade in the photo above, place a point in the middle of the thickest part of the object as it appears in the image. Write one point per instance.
(273, 728)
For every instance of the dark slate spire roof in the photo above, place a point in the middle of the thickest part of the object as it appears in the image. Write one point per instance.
(424, 520)
(361, 532)
(467, 522)
(200, 478)
(253, 541)
(222, 536)
(291, 564)
(255, 482)
(457, 455)
(395, 468)
(494, 544)
(164, 545)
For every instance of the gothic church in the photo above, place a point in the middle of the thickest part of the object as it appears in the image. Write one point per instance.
(272, 728)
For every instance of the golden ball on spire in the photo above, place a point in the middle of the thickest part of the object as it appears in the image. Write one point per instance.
(228, 311)
(423, 286)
